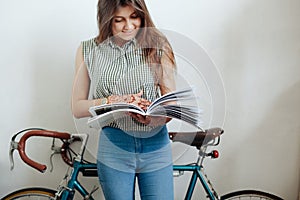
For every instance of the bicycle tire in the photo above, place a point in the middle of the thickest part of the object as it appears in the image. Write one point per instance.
(31, 194)
(250, 195)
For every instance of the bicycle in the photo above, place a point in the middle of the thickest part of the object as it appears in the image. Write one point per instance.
(200, 140)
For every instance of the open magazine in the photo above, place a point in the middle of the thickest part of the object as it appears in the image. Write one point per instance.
(104, 114)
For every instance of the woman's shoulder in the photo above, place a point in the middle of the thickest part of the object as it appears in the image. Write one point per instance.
(89, 42)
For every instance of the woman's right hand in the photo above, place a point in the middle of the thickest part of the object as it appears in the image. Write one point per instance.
(135, 99)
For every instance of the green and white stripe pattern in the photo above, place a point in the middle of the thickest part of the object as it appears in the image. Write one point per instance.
(115, 70)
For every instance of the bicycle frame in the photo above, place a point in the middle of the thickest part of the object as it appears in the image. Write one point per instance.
(201, 141)
(196, 169)
(74, 184)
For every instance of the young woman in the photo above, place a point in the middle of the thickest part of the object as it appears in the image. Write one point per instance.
(129, 61)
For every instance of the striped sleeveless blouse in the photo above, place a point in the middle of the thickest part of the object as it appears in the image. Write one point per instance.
(115, 70)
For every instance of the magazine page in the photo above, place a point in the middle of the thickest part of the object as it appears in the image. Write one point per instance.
(169, 97)
(107, 118)
(179, 95)
(101, 109)
(104, 119)
(188, 114)
(104, 114)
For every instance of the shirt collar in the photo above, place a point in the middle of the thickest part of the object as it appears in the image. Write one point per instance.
(132, 42)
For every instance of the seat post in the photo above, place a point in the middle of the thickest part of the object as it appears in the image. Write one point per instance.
(201, 155)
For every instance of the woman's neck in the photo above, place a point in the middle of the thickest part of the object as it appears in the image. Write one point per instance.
(119, 41)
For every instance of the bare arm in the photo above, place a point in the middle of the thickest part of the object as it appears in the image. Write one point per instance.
(167, 79)
(81, 84)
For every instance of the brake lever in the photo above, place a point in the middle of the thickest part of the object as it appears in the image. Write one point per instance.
(55, 150)
(13, 146)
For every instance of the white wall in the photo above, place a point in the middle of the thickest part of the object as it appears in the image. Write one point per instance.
(254, 44)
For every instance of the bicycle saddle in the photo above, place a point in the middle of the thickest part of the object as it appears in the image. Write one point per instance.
(197, 138)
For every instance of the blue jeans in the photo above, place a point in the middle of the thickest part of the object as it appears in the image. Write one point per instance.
(125, 157)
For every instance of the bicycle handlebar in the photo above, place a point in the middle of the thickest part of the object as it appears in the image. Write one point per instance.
(20, 146)
(196, 139)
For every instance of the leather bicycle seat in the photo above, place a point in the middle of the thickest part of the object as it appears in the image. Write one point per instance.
(197, 138)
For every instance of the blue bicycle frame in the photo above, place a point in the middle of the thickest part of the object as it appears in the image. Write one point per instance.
(196, 174)
(66, 192)
(90, 169)
(73, 183)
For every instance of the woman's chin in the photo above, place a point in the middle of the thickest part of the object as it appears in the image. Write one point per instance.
(122, 40)
(127, 37)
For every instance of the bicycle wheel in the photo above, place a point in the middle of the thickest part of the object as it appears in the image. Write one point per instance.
(31, 194)
(250, 195)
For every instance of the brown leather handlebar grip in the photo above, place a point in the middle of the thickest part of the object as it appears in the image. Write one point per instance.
(43, 133)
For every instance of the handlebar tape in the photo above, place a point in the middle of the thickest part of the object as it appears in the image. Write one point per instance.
(43, 133)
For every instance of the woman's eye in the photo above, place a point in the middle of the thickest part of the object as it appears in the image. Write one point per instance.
(134, 16)
(118, 20)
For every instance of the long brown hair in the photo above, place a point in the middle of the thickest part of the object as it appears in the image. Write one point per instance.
(149, 38)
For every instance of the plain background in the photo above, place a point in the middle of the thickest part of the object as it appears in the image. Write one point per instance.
(255, 46)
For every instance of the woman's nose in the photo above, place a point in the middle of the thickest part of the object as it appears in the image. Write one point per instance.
(129, 25)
